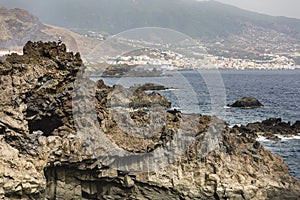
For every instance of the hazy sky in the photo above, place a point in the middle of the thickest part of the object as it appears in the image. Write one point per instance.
(288, 8)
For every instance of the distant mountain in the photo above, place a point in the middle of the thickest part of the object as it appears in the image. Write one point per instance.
(195, 18)
(18, 26)
(225, 29)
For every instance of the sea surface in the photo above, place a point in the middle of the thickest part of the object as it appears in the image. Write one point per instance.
(209, 92)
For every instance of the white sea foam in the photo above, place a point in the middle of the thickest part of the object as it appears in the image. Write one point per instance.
(175, 108)
(231, 126)
(295, 137)
(264, 139)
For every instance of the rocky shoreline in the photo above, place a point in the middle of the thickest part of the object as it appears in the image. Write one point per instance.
(270, 129)
(123, 70)
(45, 156)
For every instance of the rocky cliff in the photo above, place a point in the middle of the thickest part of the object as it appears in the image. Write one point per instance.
(65, 137)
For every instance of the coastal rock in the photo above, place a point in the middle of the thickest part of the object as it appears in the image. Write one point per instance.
(51, 147)
(149, 86)
(123, 70)
(134, 98)
(270, 128)
(246, 102)
(296, 126)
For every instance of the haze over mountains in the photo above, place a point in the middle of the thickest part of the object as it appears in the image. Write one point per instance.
(210, 21)
(195, 18)
(17, 26)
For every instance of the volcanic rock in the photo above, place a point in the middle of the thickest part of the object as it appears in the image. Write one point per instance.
(61, 138)
(270, 128)
(246, 102)
(149, 86)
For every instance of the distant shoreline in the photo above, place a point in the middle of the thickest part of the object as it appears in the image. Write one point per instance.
(186, 70)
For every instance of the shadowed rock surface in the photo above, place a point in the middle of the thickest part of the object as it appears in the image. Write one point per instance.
(61, 139)
(246, 102)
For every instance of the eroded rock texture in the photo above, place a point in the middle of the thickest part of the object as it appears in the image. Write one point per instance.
(62, 139)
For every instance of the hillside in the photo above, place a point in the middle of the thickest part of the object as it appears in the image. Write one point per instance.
(197, 19)
(226, 30)
(18, 26)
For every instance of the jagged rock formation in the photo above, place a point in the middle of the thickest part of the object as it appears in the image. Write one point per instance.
(52, 149)
(269, 128)
(246, 102)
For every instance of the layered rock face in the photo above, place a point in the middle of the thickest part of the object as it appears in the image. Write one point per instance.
(65, 137)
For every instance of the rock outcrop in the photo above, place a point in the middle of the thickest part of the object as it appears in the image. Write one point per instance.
(246, 102)
(122, 70)
(62, 139)
(134, 97)
(270, 128)
(149, 86)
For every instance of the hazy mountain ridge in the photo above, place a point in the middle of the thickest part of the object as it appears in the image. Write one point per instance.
(18, 26)
(226, 30)
(197, 19)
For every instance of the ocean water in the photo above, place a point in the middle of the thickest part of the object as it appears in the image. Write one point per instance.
(289, 149)
(209, 91)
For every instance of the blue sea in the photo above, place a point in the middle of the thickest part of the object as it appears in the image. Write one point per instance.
(209, 91)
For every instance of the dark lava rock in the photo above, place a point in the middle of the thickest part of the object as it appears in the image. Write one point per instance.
(246, 102)
(149, 86)
(269, 128)
(51, 148)
(296, 125)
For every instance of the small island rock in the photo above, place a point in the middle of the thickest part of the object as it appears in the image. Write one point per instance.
(246, 102)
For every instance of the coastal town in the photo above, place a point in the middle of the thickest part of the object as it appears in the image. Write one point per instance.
(195, 55)
(170, 60)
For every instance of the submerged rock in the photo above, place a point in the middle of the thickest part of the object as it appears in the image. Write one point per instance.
(246, 102)
(51, 147)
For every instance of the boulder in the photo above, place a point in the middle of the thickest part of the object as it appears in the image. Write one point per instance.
(246, 102)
